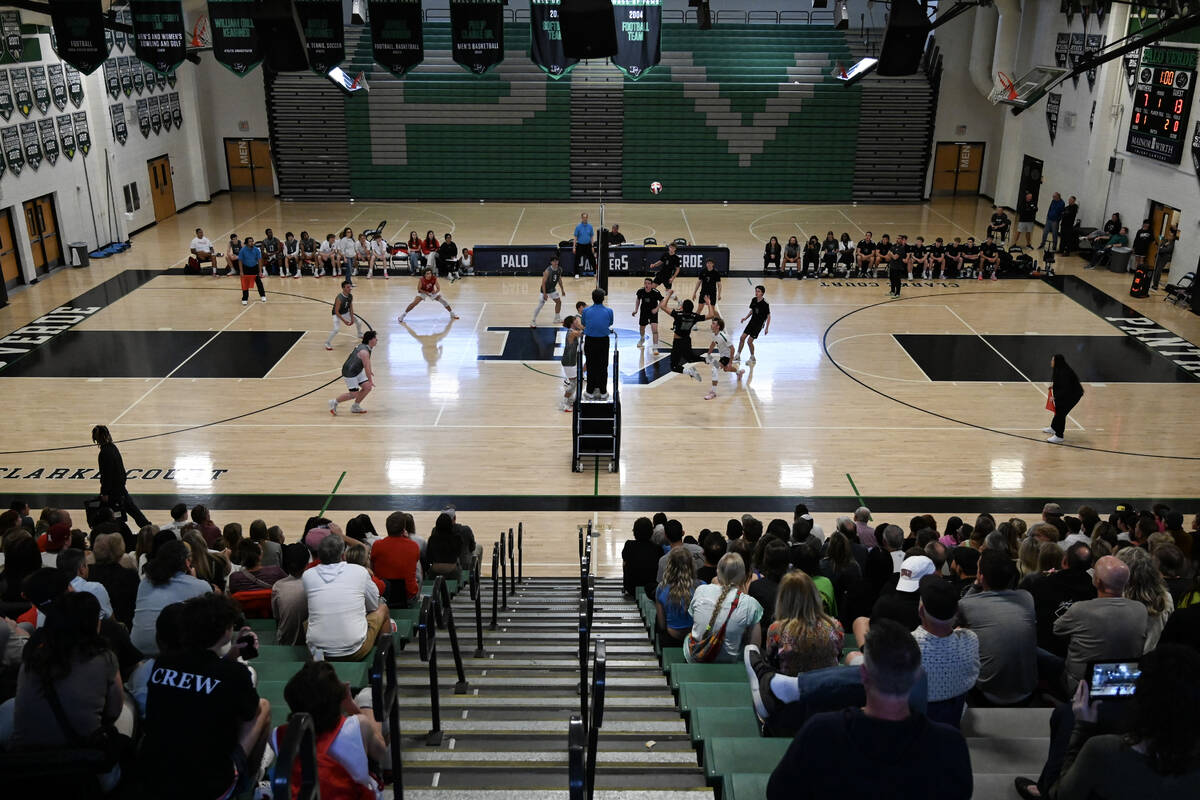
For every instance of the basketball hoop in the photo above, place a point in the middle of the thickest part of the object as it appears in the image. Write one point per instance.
(200, 35)
(1005, 91)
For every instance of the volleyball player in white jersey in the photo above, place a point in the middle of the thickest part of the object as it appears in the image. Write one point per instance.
(719, 357)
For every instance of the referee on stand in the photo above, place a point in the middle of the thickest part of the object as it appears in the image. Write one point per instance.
(597, 322)
(584, 235)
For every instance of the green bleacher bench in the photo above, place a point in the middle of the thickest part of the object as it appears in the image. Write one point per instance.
(713, 695)
(726, 755)
(261, 626)
(353, 672)
(745, 786)
(706, 722)
(281, 653)
(707, 673)
(670, 657)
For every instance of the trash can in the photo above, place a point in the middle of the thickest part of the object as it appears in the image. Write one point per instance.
(79, 254)
(1118, 259)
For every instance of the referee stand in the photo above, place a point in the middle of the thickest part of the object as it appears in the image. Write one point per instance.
(596, 425)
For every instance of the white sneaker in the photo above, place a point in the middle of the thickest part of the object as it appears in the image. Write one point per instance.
(357, 409)
(333, 404)
(751, 360)
(1047, 430)
(402, 316)
(710, 396)
(606, 398)
(262, 299)
(557, 319)
(691, 372)
(533, 324)
(1055, 440)
(244, 302)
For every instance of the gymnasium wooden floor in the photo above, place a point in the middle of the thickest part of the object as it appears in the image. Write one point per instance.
(933, 403)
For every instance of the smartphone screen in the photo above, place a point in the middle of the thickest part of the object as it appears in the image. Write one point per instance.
(1114, 678)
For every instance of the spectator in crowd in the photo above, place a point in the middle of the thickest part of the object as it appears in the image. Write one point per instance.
(775, 560)
(866, 534)
(206, 726)
(119, 581)
(209, 565)
(1146, 586)
(893, 544)
(289, 600)
(54, 541)
(726, 604)
(1066, 227)
(963, 563)
(253, 575)
(231, 537)
(900, 604)
(1110, 626)
(69, 686)
(714, 547)
(673, 598)
(1057, 591)
(1054, 215)
(348, 738)
(73, 564)
(772, 254)
(1173, 524)
(168, 633)
(1171, 563)
(345, 613)
(673, 530)
(949, 655)
(179, 518)
(272, 553)
(395, 558)
(21, 559)
(1005, 622)
(204, 523)
(1047, 559)
(840, 566)
(169, 578)
(828, 755)
(444, 548)
(1101, 254)
(802, 637)
(639, 559)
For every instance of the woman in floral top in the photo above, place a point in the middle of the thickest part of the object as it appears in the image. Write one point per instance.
(802, 637)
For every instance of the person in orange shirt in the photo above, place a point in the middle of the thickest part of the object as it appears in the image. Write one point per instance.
(398, 557)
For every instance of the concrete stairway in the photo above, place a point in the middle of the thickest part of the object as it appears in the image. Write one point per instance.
(597, 121)
(506, 737)
(1005, 743)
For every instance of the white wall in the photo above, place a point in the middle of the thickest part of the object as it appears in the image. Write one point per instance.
(226, 103)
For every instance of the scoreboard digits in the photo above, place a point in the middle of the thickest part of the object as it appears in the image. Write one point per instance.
(1162, 103)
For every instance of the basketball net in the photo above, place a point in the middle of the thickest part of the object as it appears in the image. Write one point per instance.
(200, 32)
(1005, 91)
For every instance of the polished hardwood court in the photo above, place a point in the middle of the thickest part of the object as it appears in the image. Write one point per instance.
(930, 403)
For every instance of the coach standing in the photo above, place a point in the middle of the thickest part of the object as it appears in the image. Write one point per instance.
(1026, 214)
(249, 262)
(582, 247)
(112, 477)
(597, 320)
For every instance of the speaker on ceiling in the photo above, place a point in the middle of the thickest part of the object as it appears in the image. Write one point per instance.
(589, 29)
(904, 39)
(280, 36)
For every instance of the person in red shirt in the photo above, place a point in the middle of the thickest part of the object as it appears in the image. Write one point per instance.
(398, 557)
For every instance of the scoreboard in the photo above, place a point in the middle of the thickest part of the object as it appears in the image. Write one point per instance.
(1162, 101)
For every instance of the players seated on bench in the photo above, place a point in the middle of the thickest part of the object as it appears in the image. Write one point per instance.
(272, 253)
(1101, 254)
(970, 258)
(415, 261)
(989, 259)
(362, 253)
(380, 256)
(202, 250)
(810, 261)
(883, 254)
(791, 256)
(829, 253)
(231, 255)
(999, 225)
(865, 256)
(291, 255)
(329, 257)
(954, 258)
(309, 254)
(772, 255)
(845, 260)
(447, 258)
(918, 259)
(935, 259)
(429, 247)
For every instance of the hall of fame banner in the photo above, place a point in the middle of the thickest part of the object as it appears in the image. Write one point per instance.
(10, 141)
(159, 38)
(545, 38)
(234, 37)
(41, 89)
(119, 126)
(324, 33)
(397, 35)
(6, 98)
(58, 85)
(477, 33)
(83, 137)
(639, 35)
(1053, 104)
(66, 136)
(31, 145)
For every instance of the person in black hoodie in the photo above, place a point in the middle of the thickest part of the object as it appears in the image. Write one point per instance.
(1067, 391)
(112, 477)
(1057, 591)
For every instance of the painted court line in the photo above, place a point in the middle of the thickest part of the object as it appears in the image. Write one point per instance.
(515, 227)
(691, 236)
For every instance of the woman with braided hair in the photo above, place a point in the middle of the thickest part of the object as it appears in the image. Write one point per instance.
(726, 603)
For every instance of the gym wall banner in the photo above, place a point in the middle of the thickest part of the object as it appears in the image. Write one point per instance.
(125, 71)
(397, 37)
(143, 115)
(41, 90)
(1102, 8)
(639, 35)
(30, 146)
(155, 115)
(1075, 52)
(148, 75)
(164, 111)
(6, 98)
(1053, 104)
(1095, 43)
(545, 38)
(234, 37)
(74, 86)
(176, 111)
(21, 94)
(158, 33)
(139, 79)
(324, 31)
(79, 32)
(66, 136)
(49, 139)
(120, 129)
(83, 139)
(477, 33)
(10, 139)
(10, 27)
(112, 78)
(58, 85)
(1061, 44)
(120, 39)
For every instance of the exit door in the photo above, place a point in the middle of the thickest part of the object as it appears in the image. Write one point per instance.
(10, 264)
(1162, 219)
(248, 163)
(957, 168)
(1031, 178)
(162, 189)
(42, 225)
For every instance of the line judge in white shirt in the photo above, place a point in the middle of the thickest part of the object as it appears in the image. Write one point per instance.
(202, 250)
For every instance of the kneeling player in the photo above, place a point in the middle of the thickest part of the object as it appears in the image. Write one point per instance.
(719, 357)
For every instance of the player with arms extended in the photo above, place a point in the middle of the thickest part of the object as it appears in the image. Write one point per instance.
(359, 377)
(719, 356)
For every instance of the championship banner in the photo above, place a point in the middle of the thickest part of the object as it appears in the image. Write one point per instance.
(139, 79)
(80, 33)
(1061, 44)
(397, 39)
(545, 38)
(30, 146)
(6, 98)
(171, 78)
(41, 89)
(10, 139)
(1053, 104)
(112, 81)
(143, 115)
(1074, 53)
(21, 94)
(66, 136)
(155, 116)
(1131, 61)
(639, 35)
(125, 70)
(49, 139)
(176, 111)
(477, 33)
(74, 86)
(1095, 43)
(10, 28)
(160, 81)
(148, 74)
(83, 139)
(158, 35)
(324, 33)
(58, 85)
(119, 36)
(234, 37)
(164, 112)
(120, 129)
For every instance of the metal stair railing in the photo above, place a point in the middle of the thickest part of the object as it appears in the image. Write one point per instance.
(599, 671)
(385, 704)
(576, 759)
(299, 743)
(477, 597)
(444, 615)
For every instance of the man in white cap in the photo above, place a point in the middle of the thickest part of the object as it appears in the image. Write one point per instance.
(901, 604)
